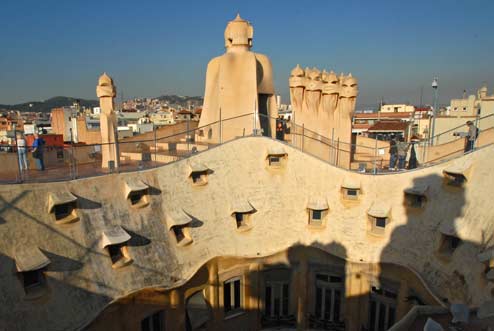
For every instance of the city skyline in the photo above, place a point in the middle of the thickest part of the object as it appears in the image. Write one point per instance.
(160, 48)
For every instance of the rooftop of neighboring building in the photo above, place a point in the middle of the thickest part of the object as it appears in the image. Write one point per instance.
(423, 109)
(379, 115)
(386, 126)
(361, 126)
(396, 108)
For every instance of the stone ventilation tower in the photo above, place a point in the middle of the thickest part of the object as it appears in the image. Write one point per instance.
(238, 82)
(106, 93)
(482, 92)
(324, 103)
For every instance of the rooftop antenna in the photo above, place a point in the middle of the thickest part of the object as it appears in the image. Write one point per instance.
(484, 84)
(421, 95)
(121, 99)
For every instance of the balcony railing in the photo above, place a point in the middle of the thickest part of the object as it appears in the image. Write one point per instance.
(79, 161)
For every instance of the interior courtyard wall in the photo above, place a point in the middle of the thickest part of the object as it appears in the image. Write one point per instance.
(357, 277)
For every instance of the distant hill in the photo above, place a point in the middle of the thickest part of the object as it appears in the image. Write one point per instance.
(47, 105)
(55, 102)
(181, 100)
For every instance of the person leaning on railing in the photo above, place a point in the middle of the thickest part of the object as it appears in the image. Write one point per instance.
(280, 130)
(473, 132)
(470, 136)
(38, 146)
(287, 125)
(393, 153)
(402, 148)
(412, 161)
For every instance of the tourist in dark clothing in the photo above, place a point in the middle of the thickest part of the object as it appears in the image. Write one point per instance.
(276, 126)
(280, 131)
(283, 122)
(287, 125)
(393, 154)
(402, 148)
(412, 162)
(471, 136)
(38, 147)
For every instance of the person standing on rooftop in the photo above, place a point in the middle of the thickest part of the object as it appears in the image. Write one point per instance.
(472, 134)
(38, 146)
(21, 151)
(402, 150)
(393, 153)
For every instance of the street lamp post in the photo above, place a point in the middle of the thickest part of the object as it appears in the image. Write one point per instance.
(434, 111)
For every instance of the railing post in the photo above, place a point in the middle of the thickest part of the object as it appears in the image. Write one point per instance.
(477, 120)
(72, 157)
(337, 151)
(331, 160)
(117, 150)
(374, 171)
(73, 161)
(19, 168)
(293, 130)
(255, 122)
(422, 144)
(155, 146)
(303, 135)
(221, 129)
(434, 114)
(429, 130)
(187, 136)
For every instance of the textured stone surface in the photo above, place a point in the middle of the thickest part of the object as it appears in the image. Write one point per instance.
(82, 282)
(238, 82)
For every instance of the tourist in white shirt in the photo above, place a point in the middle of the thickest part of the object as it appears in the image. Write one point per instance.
(22, 151)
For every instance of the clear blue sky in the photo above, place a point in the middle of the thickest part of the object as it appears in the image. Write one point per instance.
(50, 48)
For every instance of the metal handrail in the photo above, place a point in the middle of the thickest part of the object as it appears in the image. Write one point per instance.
(335, 148)
(461, 126)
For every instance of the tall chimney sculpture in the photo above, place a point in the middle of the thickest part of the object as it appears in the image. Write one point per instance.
(106, 91)
(238, 83)
(324, 103)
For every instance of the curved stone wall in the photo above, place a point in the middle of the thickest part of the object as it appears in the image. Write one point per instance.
(81, 280)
